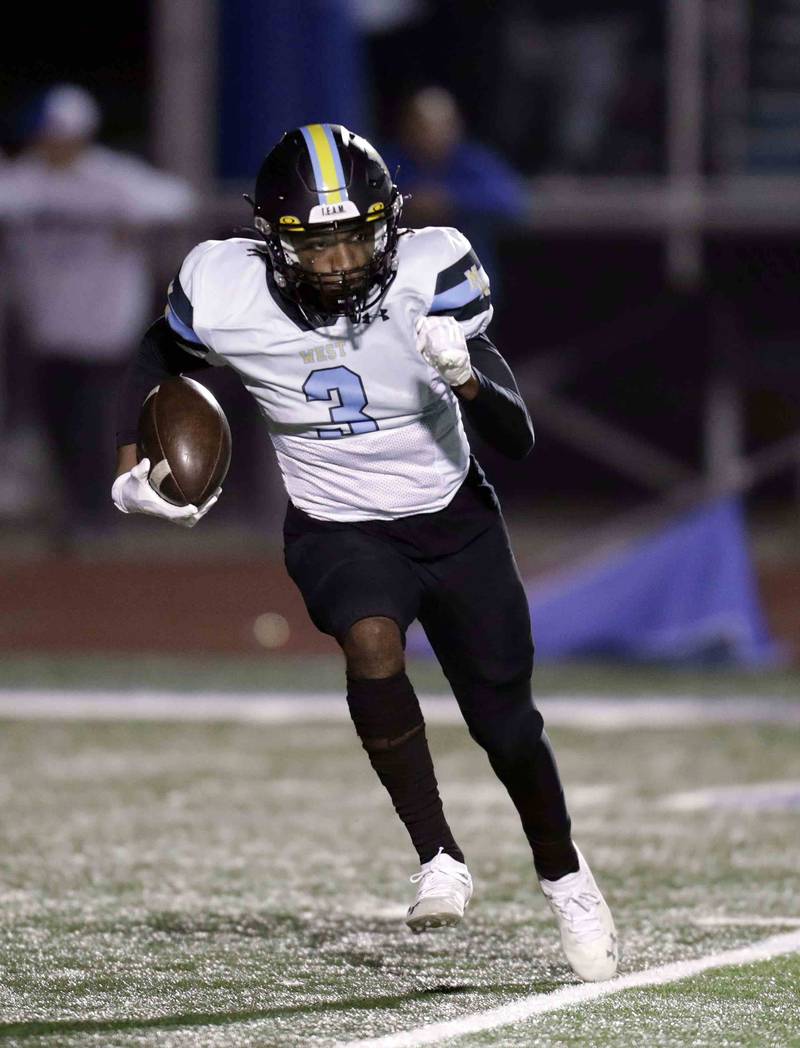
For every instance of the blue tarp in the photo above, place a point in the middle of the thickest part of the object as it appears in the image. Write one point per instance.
(686, 593)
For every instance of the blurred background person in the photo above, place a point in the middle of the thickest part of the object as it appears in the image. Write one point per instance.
(448, 178)
(76, 218)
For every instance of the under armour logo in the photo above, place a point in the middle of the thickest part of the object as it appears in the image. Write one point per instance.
(369, 317)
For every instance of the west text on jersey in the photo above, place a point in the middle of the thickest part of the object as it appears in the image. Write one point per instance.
(318, 354)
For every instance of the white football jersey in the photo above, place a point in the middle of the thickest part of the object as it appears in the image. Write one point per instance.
(363, 427)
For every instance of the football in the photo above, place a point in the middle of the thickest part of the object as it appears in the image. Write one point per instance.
(184, 433)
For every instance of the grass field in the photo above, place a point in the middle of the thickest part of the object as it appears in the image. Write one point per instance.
(172, 882)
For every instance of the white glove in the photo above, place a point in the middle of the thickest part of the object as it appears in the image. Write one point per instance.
(132, 493)
(442, 343)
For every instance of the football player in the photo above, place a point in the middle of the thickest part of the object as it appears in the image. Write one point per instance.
(365, 347)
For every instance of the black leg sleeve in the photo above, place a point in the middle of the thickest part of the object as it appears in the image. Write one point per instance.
(389, 722)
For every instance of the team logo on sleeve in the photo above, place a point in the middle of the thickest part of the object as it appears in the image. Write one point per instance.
(478, 280)
(462, 290)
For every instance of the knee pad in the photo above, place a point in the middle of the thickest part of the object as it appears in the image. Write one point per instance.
(385, 712)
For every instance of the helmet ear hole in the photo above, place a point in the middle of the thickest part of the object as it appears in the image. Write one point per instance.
(262, 225)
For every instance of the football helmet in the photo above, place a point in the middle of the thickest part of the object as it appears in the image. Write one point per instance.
(328, 210)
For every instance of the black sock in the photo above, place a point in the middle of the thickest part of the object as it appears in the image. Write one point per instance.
(389, 722)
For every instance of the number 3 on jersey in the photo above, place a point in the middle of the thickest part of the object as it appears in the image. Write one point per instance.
(324, 384)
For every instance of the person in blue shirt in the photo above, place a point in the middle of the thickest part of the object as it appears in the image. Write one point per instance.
(450, 179)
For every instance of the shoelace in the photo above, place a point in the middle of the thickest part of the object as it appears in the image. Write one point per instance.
(581, 911)
(435, 880)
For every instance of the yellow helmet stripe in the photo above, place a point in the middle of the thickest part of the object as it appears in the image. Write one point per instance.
(326, 162)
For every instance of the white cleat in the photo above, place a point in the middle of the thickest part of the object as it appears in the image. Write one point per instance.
(445, 888)
(587, 928)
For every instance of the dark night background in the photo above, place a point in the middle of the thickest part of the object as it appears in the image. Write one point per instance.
(578, 290)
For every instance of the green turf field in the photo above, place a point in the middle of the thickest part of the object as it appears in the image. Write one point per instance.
(243, 884)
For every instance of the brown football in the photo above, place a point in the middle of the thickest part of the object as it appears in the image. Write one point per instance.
(184, 433)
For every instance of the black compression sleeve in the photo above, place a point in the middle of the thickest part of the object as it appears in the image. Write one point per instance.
(160, 356)
(498, 413)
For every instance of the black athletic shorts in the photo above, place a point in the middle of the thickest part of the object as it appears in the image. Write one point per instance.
(453, 570)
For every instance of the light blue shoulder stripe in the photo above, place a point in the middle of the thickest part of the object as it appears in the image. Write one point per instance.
(180, 328)
(456, 297)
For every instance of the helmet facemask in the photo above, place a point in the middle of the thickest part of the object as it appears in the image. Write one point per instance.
(336, 267)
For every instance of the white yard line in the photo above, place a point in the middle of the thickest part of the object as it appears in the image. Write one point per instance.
(587, 712)
(747, 920)
(569, 996)
(783, 795)
(172, 706)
